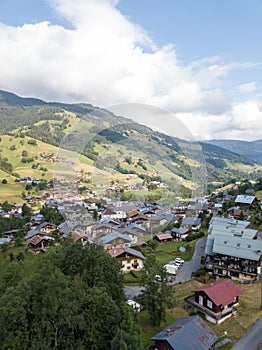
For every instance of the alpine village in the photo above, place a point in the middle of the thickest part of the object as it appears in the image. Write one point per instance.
(109, 241)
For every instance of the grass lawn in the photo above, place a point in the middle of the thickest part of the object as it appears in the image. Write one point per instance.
(11, 192)
(169, 251)
(258, 194)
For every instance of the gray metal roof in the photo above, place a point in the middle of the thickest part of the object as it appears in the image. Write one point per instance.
(232, 230)
(190, 333)
(238, 247)
(241, 198)
(217, 220)
(112, 236)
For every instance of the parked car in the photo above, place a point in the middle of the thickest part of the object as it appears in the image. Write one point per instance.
(179, 261)
(175, 263)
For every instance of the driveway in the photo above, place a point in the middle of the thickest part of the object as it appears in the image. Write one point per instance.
(184, 274)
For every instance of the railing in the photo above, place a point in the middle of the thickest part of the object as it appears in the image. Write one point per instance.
(217, 315)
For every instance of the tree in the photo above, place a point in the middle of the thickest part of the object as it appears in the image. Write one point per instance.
(157, 294)
(54, 307)
(4, 181)
(24, 153)
(26, 211)
(6, 206)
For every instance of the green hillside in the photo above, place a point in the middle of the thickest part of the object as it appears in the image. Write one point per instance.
(107, 148)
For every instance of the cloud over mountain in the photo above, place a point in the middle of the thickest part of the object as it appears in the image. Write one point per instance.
(107, 59)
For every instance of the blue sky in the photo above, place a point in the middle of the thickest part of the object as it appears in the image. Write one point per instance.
(201, 60)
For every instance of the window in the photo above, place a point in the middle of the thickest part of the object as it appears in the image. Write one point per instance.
(200, 300)
(209, 304)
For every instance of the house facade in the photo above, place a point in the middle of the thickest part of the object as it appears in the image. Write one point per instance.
(130, 259)
(217, 301)
(233, 250)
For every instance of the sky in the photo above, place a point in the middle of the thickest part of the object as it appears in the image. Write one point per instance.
(199, 60)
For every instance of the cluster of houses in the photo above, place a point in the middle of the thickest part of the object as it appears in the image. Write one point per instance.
(233, 249)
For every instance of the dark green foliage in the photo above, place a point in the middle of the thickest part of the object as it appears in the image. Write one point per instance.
(6, 206)
(5, 166)
(157, 295)
(4, 181)
(12, 148)
(32, 142)
(52, 215)
(24, 153)
(26, 211)
(194, 236)
(57, 308)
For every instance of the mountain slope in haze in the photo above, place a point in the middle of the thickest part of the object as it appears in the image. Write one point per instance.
(117, 144)
(249, 149)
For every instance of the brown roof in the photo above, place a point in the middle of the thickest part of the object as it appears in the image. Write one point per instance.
(221, 292)
(115, 252)
(35, 240)
(74, 236)
(163, 236)
(133, 213)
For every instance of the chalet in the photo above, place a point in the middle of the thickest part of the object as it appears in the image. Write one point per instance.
(190, 333)
(140, 220)
(102, 230)
(38, 218)
(66, 226)
(114, 240)
(75, 237)
(180, 234)
(39, 243)
(244, 200)
(191, 223)
(113, 215)
(132, 234)
(17, 208)
(32, 233)
(233, 250)
(133, 213)
(238, 213)
(163, 237)
(217, 301)
(47, 227)
(139, 229)
(84, 228)
(129, 258)
(163, 218)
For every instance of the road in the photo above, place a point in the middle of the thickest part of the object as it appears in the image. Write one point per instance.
(251, 339)
(184, 273)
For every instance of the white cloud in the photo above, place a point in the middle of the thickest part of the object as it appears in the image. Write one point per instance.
(106, 59)
(248, 87)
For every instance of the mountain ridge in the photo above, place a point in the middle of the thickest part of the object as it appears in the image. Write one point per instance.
(115, 143)
(250, 149)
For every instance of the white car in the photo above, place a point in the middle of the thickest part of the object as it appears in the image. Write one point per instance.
(179, 261)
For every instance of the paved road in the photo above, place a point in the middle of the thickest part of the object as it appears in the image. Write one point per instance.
(250, 340)
(185, 272)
